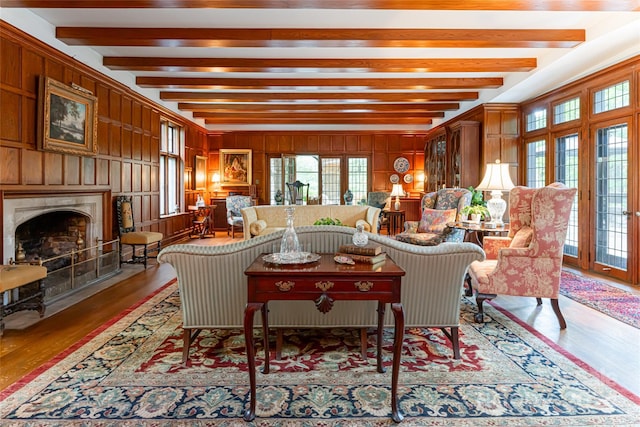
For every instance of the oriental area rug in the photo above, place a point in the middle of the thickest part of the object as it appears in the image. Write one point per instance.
(617, 303)
(129, 373)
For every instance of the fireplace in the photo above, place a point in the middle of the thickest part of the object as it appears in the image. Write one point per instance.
(20, 210)
(63, 229)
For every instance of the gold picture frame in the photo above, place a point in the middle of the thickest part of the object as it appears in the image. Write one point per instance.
(67, 119)
(235, 167)
(200, 173)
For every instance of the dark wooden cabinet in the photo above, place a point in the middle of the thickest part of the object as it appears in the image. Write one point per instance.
(463, 154)
(220, 213)
(435, 161)
(452, 156)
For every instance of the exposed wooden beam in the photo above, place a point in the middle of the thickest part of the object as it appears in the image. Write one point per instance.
(340, 121)
(538, 5)
(323, 115)
(325, 37)
(246, 108)
(362, 83)
(318, 95)
(433, 65)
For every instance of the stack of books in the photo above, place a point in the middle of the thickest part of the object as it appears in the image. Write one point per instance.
(371, 253)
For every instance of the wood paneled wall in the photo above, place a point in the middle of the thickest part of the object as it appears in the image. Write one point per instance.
(127, 161)
(381, 148)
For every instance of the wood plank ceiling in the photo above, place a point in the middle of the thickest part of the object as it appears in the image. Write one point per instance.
(275, 74)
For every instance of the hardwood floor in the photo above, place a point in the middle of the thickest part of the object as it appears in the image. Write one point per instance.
(609, 346)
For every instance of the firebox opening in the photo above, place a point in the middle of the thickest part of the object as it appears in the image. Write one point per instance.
(51, 234)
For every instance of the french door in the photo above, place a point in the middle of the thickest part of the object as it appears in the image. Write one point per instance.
(613, 209)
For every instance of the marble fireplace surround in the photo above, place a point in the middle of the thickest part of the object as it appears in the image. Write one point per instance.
(18, 209)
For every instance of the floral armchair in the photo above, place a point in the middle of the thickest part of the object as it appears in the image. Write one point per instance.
(234, 216)
(438, 208)
(529, 261)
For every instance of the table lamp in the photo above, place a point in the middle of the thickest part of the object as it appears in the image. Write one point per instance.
(496, 179)
(397, 191)
(216, 183)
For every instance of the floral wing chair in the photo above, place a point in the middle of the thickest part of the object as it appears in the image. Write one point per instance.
(438, 209)
(532, 263)
(234, 216)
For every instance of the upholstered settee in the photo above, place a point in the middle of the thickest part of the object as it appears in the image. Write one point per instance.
(261, 220)
(213, 286)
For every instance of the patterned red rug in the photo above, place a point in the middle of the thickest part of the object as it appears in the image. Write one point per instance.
(612, 301)
(129, 373)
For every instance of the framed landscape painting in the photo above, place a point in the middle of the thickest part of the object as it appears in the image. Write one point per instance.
(67, 119)
(235, 167)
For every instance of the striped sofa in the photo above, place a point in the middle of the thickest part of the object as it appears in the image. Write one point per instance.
(213, 286)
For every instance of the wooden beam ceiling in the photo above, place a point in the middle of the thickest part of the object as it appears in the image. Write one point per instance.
(489, 5)
(235, 79)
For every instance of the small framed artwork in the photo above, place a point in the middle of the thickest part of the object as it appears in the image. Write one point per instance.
(235, 167)
(67, 119)
(200, 181)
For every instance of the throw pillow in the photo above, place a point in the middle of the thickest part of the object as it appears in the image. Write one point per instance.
(365, 225)
(256, 227)
(522, 239)
(435, 220)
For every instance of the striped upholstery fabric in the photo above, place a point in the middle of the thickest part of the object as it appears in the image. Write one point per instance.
(213, 285)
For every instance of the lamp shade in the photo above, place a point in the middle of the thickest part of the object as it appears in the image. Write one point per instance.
(397, 190)
(496, 177)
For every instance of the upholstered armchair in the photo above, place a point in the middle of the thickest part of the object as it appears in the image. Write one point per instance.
(438, 208)
(234, 216)
(382, 200)
(529, 261)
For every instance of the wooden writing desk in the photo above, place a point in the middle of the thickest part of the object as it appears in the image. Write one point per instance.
(323, 282)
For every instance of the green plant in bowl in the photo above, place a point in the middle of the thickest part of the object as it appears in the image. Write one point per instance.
(328, 221)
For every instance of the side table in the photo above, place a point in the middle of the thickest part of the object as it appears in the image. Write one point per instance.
(323, 282)
(475, 231)
(395, 221)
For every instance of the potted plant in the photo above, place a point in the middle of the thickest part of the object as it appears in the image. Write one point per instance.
(476, 212)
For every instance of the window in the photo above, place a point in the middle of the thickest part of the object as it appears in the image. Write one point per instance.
(324, 174)
(536, 120)
(566, 111)
(170, 167)
(358, 178)
(567, 173)
(536, 163)
(612, 97)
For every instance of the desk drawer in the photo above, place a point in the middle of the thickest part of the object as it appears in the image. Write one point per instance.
(316, 286)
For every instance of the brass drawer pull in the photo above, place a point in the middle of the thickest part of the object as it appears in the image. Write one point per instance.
(324, 286)
(363, 286)
(285, 286)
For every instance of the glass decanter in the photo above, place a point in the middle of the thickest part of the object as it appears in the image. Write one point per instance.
(360, 238)
(289, 246)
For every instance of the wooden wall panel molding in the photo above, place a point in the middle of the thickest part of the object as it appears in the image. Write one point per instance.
(53, 169)
(10, 104)
(88, 171)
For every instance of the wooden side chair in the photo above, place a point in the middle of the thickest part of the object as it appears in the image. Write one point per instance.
(298, 192)
(149, 240)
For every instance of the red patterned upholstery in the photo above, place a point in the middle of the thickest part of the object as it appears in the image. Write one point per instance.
(533, 270)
